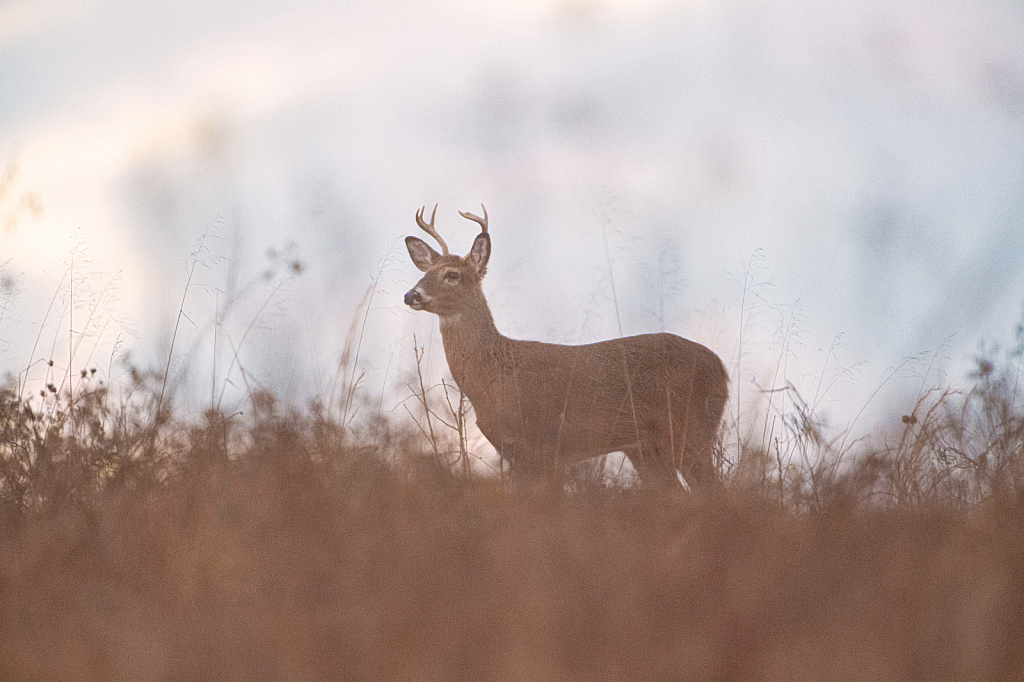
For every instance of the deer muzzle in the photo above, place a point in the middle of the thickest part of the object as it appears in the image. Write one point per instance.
(414, 299)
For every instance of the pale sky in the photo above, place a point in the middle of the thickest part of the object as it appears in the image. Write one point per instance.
(861, 163)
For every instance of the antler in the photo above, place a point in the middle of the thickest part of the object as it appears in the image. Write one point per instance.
(429, 229)
(477, 219)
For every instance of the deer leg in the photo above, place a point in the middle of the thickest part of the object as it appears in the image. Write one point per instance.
(697, 465)
(652, 463)
(522, 462)
(692, 438)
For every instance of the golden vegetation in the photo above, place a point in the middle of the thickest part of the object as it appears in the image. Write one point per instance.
(136, 543)
(280, 545)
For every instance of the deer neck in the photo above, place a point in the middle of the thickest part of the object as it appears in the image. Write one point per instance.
(473, 346)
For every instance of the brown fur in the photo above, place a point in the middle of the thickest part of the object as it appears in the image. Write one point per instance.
(659, 398)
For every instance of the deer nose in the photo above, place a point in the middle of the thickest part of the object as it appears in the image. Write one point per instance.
(412, 298)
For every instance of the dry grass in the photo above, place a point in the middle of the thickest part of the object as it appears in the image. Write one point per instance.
(251, 575)
(288, 547)
(311, 545)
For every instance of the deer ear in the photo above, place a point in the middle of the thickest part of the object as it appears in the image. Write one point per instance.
(480, 253)
(421, 253)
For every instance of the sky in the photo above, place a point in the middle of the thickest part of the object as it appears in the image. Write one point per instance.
(824, 193)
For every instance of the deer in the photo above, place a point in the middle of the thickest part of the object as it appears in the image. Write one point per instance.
(657, 398)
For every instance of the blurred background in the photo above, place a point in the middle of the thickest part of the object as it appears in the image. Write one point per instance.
(827, 194)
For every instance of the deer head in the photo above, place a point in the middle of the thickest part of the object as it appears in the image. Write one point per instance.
(451, 283)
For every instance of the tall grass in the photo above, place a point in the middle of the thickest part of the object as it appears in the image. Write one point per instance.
(289, 545)
(331, 542)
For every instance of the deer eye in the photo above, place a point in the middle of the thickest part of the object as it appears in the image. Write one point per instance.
(451, 276)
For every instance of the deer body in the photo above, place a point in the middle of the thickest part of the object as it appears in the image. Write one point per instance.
(656, 397)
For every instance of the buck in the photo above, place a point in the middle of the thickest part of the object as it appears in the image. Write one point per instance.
(658, 398)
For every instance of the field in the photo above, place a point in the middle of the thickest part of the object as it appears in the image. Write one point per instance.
(282, 546)
(232, 443)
